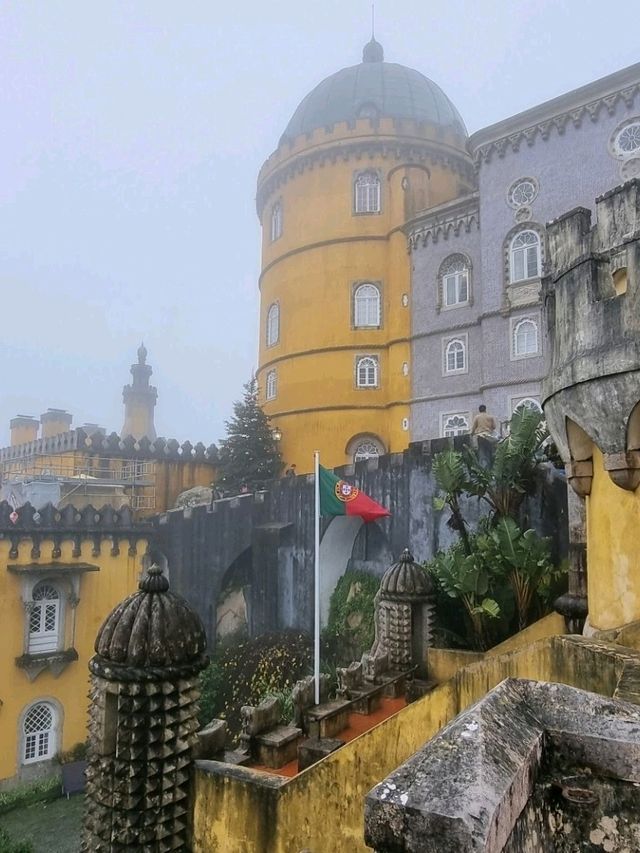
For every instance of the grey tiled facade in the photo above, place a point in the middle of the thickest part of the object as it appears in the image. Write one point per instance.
(566, 147)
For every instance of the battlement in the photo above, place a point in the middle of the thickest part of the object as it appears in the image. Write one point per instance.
(112, 446)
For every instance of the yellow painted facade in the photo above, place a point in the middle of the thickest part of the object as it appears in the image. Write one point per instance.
(89, 585)
(322, 808)
(613, 545)
(324, 252)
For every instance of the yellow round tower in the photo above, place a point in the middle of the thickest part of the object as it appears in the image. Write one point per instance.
(365, 150)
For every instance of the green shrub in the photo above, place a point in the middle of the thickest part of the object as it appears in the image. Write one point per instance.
(246, 672)
(350, 626)
(40, 791)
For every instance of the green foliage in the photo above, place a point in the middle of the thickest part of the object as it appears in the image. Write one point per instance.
(350, 626)
(246, 672)
(249, 457)
(7, 845)
(78, 752)
(40, 791)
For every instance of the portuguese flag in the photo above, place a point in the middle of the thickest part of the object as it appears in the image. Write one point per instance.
(337, 497)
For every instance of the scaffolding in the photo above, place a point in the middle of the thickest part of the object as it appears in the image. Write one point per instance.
(85, 480)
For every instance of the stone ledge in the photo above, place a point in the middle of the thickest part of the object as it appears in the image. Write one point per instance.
(466, 788)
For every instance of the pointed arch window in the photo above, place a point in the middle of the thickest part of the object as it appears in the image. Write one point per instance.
(276, 221)
(38, 733)
(455, 281)
(367, 372)
(271, 385)
(44, 619)
(455, 356)
(273, 324)
(366, 306)
(524, 256)
(525, 338)
(366, 193)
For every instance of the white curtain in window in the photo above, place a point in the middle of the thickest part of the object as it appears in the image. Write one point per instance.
(367, 305)
(525, 338)
(455, 356)
(367, 193)
(525, 256)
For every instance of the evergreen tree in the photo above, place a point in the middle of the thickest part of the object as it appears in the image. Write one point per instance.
(249, 456)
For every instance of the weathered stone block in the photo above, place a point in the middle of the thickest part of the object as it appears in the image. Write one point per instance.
(314, 749)
(211, 740)
(278, 746)
(325, 721)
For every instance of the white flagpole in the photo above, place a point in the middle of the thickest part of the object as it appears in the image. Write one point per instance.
(316, 637)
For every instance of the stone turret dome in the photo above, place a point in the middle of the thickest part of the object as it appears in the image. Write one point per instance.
(152, 628)
(406, 579)
(374, 89)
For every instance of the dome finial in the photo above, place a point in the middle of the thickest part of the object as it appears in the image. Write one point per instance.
(142, 354)
(373, 50)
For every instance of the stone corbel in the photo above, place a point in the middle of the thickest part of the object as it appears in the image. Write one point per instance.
(624, 469)
(580, 476)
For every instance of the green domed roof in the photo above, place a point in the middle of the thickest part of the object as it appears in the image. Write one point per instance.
(374, 89)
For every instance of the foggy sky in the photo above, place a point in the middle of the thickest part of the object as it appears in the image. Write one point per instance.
(132, 134)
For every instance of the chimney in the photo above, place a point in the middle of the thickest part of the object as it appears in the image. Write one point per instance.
(24, 428)
(55, 421)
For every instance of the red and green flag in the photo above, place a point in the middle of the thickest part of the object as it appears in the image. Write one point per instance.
(337, 497)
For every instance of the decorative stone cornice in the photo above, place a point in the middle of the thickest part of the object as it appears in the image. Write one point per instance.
(409, 151)
(574, 107)
(462, 214)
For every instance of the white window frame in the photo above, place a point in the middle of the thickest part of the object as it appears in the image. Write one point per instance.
(276, 221)
(273, 324)
(41, 611)
(527, 398)
(447, 344)
(446, 416)
(519, 184)
(271, 385)
(455, 269)
(41, 743)
(370, 379)
(516, 324)
(614, 144)
(525, 256)
(362, 440)
(367, 306)
(367, 194)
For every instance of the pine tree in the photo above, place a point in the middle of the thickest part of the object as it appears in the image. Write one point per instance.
(249, 456)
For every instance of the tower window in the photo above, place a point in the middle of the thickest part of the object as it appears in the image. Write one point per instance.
(273, 324)
(272, 385)
(367, 372)
(276, 221)
(44, 619)
(38, 741)
(455, 357)
(364, 446)
(525, 338)
(367, 193)
(454, 277)
(366, 306)
(524, 256)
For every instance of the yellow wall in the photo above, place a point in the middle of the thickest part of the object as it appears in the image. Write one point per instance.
(99, 592)
(613, 546)
(310, 272)
(322, 808)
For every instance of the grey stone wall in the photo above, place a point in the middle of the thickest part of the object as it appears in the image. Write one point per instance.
(571, 166)
(264, 542)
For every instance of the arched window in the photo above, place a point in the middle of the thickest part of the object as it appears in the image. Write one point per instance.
(524, 256)
(44, 619)
(38, 733)
(455, 357)
(525, 338)
(366, 191)
(454, 425)
(528, 403)
(273, 324)
(366, 306)
(367, 372)
(366, 450)
(272, 385)
(276, 221)
(454, 275)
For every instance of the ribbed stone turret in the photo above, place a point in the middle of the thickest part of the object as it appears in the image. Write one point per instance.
(143, 722)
